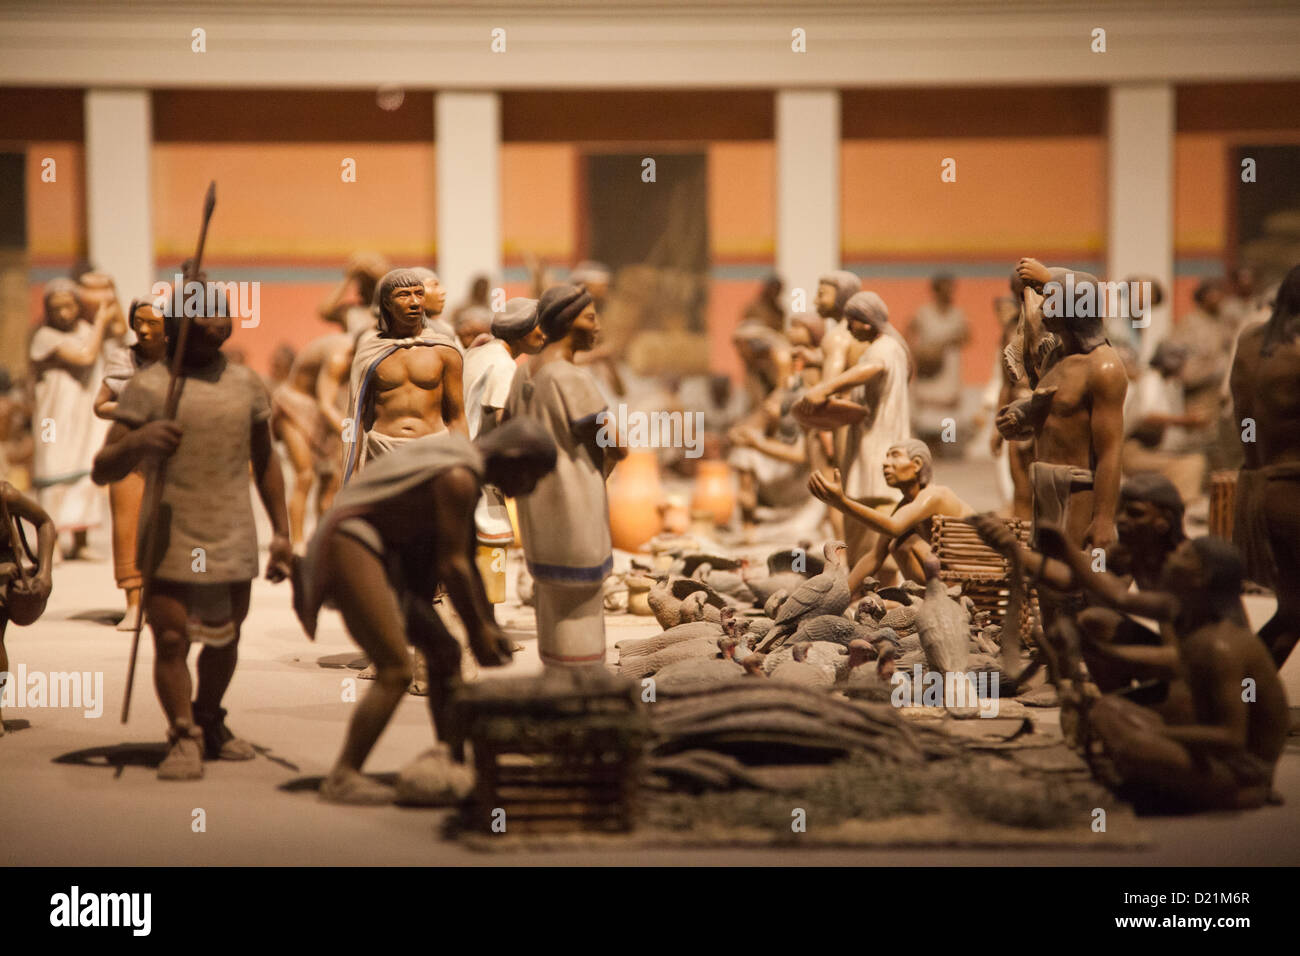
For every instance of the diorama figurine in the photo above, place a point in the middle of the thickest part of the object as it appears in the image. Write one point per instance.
(1150, 527)
(904, 533)
(398, 532)
(206, 544)
(406, 378)
(1076, 415)
(126, 494)
(564, 523)
(1265, 384)
(306, 416)
(67, 361)
(489, 371)
(355, 315)
(1225, 757)
(877, 381)
(23, 592)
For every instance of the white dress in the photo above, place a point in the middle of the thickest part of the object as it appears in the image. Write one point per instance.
(887, 423)
(68, 435)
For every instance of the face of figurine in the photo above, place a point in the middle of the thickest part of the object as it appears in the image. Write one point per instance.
(597, 289)
(531, 343)
(798, 335)
(207, 335)
(898, 468)
(435, 296)
(585, 328)
(516, 477)
(64, 310)
(147, 322)
(825, 301)
(943, 292)
(1212, 299)
(406, 309)
(862, 331)
(1183, 573)
(1140, 524)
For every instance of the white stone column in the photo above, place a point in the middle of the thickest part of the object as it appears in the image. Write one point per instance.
(119, 213)
(807, 187)
(1140, 228)
(468, 146)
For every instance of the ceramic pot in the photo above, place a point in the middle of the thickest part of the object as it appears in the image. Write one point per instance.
(634, 495)
(713, 492)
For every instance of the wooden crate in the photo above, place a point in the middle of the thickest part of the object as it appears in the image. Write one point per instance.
(553, 761)
(965, 559)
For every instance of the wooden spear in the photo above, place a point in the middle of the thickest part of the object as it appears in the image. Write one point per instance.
(153, 502)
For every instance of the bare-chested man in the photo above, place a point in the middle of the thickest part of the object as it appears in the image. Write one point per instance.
(1265, 384)
(1076, 414)
(1225, 757)
(406, 378)
(306, 416)
(905, 533)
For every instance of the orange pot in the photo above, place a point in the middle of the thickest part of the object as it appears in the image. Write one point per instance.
(713, 491)
(634, 500)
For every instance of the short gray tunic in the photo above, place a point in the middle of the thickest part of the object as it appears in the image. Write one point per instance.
(207, 501)
(565, 521)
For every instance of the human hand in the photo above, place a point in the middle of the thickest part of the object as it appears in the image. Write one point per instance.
(159, 439)
(491, 647)
(1033, 273)
(829, 490)
(281, 561)
(995, 533)
(1100, 534)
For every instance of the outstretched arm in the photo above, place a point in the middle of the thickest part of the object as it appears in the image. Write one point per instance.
(859, 374)
(908, 516)
(455, 494)
(1111, 590)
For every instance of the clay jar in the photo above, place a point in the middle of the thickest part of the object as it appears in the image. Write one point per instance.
(634, 496)
(713, 492)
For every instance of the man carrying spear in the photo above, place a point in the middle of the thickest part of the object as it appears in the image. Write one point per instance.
(197, 428)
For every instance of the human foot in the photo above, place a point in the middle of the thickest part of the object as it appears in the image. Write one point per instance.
(355, 789)
(433, 779)
(219, 743)
(184, 760)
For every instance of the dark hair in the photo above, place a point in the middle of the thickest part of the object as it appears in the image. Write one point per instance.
(1222, 565)
(393, 279)
(1155, 489)
(1204, 288)
(558, 307)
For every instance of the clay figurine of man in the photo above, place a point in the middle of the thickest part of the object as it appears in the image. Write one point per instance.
(877, 381)
(435, 300)
(564, 523)
(396, 534)
(1150, 528)
(406, 378)
(23, 593)
(906, 532)
(1076, 414)
(936, 337)
(355, 315)
(125, 496)
(489, 371)
(1266, 394)
(1225, 758)
(305, 415)
(67, 362)
(207, 545)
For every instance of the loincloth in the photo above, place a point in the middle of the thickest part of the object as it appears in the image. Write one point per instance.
(1052, 486)
(302, 411)
(1250, 531)
(378, 443)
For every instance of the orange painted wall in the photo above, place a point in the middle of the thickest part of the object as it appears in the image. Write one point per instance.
(539, 201)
